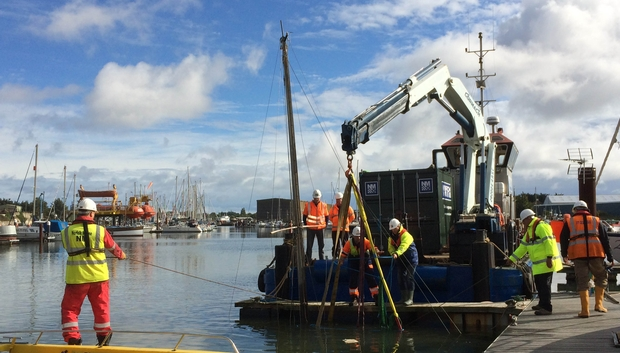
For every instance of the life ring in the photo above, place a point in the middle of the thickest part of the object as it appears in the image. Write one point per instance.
(261, 281)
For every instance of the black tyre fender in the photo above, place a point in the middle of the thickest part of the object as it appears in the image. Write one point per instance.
(261, 281)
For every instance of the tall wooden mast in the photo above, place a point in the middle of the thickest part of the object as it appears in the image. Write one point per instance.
(299, 258)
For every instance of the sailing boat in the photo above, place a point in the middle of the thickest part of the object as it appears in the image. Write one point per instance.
(50, 228)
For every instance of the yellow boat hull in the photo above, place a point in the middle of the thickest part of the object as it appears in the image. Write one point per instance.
(57, 348)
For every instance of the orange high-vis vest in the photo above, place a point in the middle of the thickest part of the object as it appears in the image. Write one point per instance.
(315, 215)
(584, 239)
(333, 216)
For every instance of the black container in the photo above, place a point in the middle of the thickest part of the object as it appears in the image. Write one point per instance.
(422, 199)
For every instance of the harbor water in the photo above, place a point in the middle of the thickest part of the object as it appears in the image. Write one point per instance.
(189, 283)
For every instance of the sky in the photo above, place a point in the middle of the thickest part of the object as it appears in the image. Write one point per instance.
(162, 92)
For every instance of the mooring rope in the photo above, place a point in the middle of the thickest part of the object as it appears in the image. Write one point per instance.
(194, 276)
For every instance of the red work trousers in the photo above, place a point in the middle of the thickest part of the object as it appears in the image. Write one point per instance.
(99, 297)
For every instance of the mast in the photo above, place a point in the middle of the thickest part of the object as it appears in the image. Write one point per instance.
(481, 77)
(611, 144)
(296, 206)
(64, 193)
(34, 191)
(74, 193)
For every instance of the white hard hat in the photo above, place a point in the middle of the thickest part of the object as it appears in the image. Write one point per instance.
(338, 195)
(580, 205)
(394, 223)
(87, 205)
(526, 213)
(316, 194)
(357, 231)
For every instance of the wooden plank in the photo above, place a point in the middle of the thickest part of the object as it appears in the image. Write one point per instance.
(562, 331)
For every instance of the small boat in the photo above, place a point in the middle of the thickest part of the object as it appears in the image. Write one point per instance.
(126, 231)
(31, 234)
(51, 230)
(12, 342)
(8, 235)
(179, 228)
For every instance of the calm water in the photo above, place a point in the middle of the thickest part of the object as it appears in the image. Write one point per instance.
(189, 283)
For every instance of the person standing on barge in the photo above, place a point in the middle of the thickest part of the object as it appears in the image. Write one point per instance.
(316, 217)
(403, 250)
(352, 250)
(334, 214)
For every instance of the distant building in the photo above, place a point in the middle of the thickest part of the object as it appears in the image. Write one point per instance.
(607, 206)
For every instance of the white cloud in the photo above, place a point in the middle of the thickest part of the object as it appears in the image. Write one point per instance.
(255, 57)
(12, 93)
(143, 95)
(74, 18)
(387, 14)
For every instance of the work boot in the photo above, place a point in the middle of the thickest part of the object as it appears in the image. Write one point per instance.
(74, 341)
(403, 296)
(585, 304)
(101, 340)
(409, 298)
(353, 301)
(542, 311)
(599, 293)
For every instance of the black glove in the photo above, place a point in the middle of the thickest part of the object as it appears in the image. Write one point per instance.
(610, 264)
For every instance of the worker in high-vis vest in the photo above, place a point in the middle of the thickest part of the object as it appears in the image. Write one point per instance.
(584, 241)
(334, 214)
(316, 217)
(539, 242)
(352, 250)
(87, 274)
(404, 252)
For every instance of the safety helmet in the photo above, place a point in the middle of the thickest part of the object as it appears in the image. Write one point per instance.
(394, 223)
(316, 194)
(526, 213)
(87, 205)
(580, 205)
(357, 231)
(338, 195)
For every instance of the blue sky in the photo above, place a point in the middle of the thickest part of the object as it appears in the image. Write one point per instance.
(133, 92)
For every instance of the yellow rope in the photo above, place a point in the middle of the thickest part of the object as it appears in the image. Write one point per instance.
(364, 221)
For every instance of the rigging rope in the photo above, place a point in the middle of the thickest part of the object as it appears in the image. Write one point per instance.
(194, 276)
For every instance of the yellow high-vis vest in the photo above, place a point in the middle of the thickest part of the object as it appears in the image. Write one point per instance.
(85, 264)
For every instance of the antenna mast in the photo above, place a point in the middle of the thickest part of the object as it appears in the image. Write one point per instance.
(481, 77)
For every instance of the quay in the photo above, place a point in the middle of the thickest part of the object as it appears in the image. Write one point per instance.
(562, 331)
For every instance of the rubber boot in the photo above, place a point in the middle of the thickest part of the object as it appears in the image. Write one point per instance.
(403, 296)
(101, 340)
(353, 301)
(585, 304)
(599, 293)
(74, 342)
(409, 300)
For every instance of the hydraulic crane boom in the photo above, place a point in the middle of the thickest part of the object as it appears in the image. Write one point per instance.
(434, 82)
